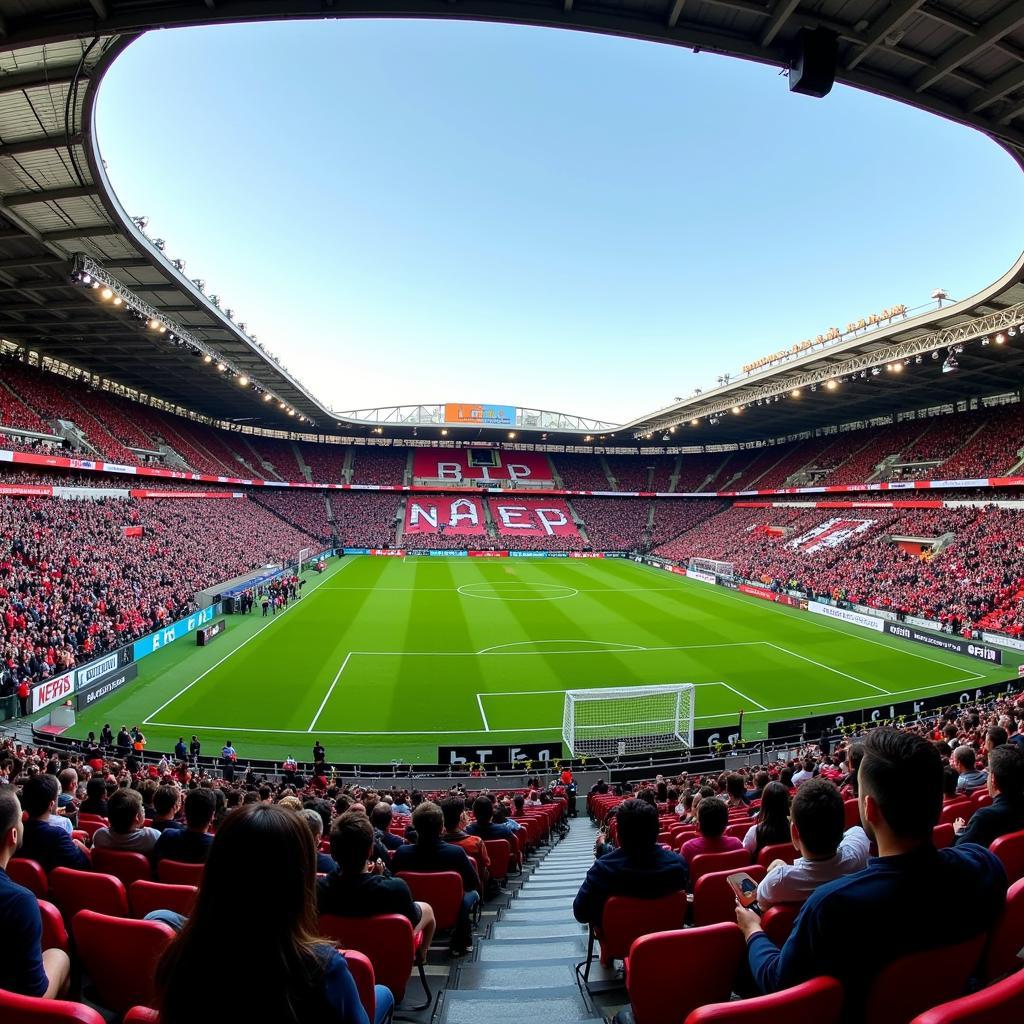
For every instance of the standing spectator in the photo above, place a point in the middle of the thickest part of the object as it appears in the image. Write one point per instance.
(300, 979)
(228, 758)
(890, 908)
(194, 748)
(806, 772)
(1006, 812)
(180, 750)
(25, 967)
(24, 691)
(971, 778)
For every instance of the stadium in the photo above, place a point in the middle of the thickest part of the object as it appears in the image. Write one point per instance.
(569, 685)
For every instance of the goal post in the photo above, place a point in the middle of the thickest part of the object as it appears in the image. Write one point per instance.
(712, 566)
(628, 719)
(303, 556)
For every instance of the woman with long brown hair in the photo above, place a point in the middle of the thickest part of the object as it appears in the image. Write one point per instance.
(249, 950)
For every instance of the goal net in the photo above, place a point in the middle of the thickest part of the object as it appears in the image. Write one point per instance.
(710, 565)
(303, 556)
(628, 719)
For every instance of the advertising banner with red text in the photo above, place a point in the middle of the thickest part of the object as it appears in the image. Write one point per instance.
(52, 690)
(25, 491)
(536, 517)
(445, 514)
(186, 494)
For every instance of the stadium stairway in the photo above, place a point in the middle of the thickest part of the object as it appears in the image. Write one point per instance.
(523, 966)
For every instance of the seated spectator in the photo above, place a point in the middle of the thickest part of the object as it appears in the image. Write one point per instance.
(68, 801)
(712, 821)
(772, 820)
(806, 772)
(432, 854)
(485, 826)
(454, 811)
(300, 979)
(95, 801)
(359, 888)
(381, 817)
(166, 804)
(126, 830)
(191, 844)
(971, 778)
(1006, 812)
(891, 907)
(44, 840)
(826, 852)
(325, 863)
(950, 780)
(25, 967)
(637, 867)
(736, 792)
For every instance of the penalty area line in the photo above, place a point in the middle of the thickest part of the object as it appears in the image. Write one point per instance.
(334, 683)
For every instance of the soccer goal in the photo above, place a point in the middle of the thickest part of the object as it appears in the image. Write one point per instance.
(710, 565)
(303, 556)
(628, 719)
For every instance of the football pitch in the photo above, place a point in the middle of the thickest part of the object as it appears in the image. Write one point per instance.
(388, 658)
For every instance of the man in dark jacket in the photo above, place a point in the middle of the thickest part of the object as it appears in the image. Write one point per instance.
(191, 844)
(431, 855)
(49, 844)
(638, 867)
(1006, 812)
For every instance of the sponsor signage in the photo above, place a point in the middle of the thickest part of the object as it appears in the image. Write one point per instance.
(954, 645)
(356, 551)
(1004, 641)
(727, 735)
(915, 620)
(52, 690)
(488, 554)
(558, 554)
(87, 676)
(175, 631)
(499, 753)
(387, 552)
(528, 554)
(106, 686)
(701, 577)
(185, 494)
(207, 633)
(586, 554)
(846, 615)
(755, 591)
(458, 553)
(813, 724)
(479, 415)
(882, 613)
(25, 491)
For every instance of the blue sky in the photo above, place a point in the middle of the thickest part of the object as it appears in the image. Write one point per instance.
(415, 211)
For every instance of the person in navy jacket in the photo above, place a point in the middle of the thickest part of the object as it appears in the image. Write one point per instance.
(1006, 812)
(50, 845)
(638, 867)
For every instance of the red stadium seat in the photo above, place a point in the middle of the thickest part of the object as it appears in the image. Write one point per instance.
(670, 973)
(913, 983)
(626, 918)
(777, 851)
(956, 809)
(15, 1009)
(30, 874)
(1007, 939)
(145, 897)
(441, 889)
(125, 864)
(176, 872)
(998, 1002)
(981, 798)
(74, 890)
(55, 934)
(778, 921)
(713, 897)
(735, 860)
(737, 830)
(499, 851)
(851, 813)
(362, 974)
(943, 836)
(90, 825)
(389, 943)
(819, 1000)
(120, 956)
(141, 1015)
(1010, 850)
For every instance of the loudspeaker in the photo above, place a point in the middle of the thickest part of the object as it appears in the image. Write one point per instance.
(812, 66)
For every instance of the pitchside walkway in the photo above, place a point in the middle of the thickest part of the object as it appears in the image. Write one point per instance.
(524, 968)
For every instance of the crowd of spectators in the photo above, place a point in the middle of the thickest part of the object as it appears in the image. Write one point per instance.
(280, 455)
(614, 524)
(305, 510)
(581, 472)
(380, 466)
(365, 519)
(326, 462)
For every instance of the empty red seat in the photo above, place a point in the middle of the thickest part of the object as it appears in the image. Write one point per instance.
(1007, 938)
(73, 890)
(998, 1002)
(30, 874)
(714, 899)
(734, 860)
(499, 852)
(625, 918)
(670, 973)
(777, 851)
(819, 1000)
(176, 872)
(120, 956)
(141, 1015)
(441, 889)
(388, 941)
(15, 1009)
(956, 809)
(125, 864)
(144, 897)
(943, 836)
(1010, 850)
(911, 984)
(55, 934)
(778, 921)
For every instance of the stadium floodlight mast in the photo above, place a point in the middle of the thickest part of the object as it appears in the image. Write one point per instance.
(618, 720)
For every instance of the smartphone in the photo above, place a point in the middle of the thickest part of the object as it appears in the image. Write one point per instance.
(746, 890)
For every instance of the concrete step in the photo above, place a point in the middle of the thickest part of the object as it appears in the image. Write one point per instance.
(511, 951)
(562, 1005)
(529, 915)
(521, 978)
(543, 930)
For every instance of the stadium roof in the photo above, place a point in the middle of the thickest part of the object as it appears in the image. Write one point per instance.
(961, 59)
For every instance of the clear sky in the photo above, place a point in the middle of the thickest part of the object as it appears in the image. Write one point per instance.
(415, 211)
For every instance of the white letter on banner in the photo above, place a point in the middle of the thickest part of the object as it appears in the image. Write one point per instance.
(449, 471)
(418, 511)
(463, 508)
(508, 511)
(517, 472)
(548, 523)
(485, 475)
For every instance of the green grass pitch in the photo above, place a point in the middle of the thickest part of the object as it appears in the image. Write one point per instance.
(387, 658)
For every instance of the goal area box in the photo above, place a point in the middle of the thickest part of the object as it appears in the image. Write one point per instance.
(628, 719)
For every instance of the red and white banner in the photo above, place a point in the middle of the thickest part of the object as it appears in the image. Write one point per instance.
(25, 491)
(487, 554)
(186, 494)
(463, 517)
(387, 551)
(536, 517)
(133, 531)
(830, 534)
(52, 690)
(762, 592)
(486, 465)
